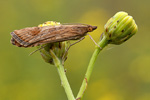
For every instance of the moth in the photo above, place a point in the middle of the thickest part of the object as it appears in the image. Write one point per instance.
(34, 36)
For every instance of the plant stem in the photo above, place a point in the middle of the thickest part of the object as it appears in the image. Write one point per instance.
(63, 77)
(102, 44)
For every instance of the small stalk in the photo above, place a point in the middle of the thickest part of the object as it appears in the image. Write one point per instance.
(63, 77)
(102, 44)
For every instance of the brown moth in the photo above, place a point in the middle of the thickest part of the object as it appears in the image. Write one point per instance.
(34, 36)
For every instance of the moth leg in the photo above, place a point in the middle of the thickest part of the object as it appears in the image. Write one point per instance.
(37, 50)
(75, 43)
(69, 48)
(94, 41)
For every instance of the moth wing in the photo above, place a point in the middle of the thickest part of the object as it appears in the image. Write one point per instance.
(34, 36)
(28, 36)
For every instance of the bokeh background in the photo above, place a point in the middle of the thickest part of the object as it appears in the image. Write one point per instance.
(121, 72)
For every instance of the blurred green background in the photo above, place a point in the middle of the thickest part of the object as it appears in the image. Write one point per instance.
(121, 72)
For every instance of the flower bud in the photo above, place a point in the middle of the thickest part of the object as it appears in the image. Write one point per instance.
(58, 48)
(120, 28)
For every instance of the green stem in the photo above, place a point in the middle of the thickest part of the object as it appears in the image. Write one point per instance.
(63, 77)
(102, 44)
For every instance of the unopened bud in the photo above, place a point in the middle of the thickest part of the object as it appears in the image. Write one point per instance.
(120, 28)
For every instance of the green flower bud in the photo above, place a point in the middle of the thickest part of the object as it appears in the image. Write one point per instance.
(58, 48)
(120, 28)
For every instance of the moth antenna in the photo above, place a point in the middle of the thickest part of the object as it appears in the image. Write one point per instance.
(36, 50)
(109, 48)
(73, 24)
(94, 41)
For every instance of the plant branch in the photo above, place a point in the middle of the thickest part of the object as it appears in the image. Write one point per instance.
(63, 77)
(83, 87)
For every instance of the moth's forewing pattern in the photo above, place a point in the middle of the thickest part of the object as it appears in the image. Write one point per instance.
(34, 36)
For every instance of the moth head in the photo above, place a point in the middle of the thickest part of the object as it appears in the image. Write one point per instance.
(91, 28)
